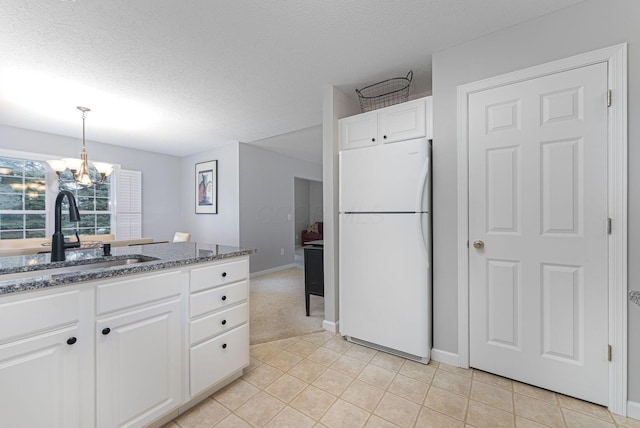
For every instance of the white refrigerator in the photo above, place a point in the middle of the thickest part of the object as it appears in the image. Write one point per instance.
(385, 247)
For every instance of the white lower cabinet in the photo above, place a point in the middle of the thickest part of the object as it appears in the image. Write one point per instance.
(39, 378)
(138, 365)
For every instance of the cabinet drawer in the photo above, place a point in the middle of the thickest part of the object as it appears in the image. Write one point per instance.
(220, 274)
(217, 358)
(218, 298)
(133, 292)
(23, 317)
(219, 322)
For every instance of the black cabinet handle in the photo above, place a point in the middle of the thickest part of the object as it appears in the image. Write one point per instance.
(106, 331)
(224, 322)
(385, 137)
(224, 346)
(373, 140)
(71, 340)
(224, 298)
(224, 274)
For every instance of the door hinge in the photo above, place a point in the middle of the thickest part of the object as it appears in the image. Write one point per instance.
(609, 225)
(609, 98)
(467, 243)
(608, 352)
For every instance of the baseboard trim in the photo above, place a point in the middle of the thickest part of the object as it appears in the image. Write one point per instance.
(444, 357)
(275, 269)
(633, 410)
(331, 326)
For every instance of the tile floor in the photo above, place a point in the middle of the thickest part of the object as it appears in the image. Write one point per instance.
(321, 380)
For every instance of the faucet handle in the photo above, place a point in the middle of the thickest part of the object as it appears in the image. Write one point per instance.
(75, 244)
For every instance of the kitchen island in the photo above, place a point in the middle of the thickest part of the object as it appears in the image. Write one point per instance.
(132, 339)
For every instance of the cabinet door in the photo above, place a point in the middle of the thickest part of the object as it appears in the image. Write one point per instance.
(358, 131)
(39, 381)
(403, 121)
(139, 363)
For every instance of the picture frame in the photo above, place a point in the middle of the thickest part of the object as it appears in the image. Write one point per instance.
(206, 187)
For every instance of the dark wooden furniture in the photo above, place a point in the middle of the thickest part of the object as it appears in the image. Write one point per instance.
(313, 272)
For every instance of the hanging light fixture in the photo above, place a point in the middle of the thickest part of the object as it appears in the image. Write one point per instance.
(80, 167)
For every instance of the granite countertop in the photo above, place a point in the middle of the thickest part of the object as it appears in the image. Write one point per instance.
(634, 296)
(159, 256)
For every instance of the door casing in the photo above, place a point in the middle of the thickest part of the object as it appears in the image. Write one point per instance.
(616, 59)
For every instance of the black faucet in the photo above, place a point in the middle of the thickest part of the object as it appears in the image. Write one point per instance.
(58, 246)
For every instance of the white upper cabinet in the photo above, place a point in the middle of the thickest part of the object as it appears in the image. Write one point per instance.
(399, 122)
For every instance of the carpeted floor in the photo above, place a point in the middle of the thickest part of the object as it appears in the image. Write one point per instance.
(277, 307)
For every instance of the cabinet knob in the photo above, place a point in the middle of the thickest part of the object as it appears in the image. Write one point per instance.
(106, 331)
(224, 346)
(384, 136)
(71, 340)
(224, 322)
(224, 298)
(224, 274)
(373, 140)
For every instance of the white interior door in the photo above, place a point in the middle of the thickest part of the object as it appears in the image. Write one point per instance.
(538, 202)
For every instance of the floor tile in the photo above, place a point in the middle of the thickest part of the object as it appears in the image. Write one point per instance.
(534, 392)
(307, 370)
(428, 418)
(387, 361)
(626, 422)
(338, 344)
(343, 414)
(286, 387)
(236, 394)
(313, 402)
(579, 420)
(285, 343)
(303, 348)
(362, 395)
(423, 373)
(284, 360)
(398, 410)
(290, 418)
(526, 423)
(332, 382)
(482, 416)
(456, 370)
(376, 376)
(263, 376)
(377, 422)
(319, 338)
(409, 388)
(205, 415)
(263, 351)
(492, 395)
(232, 421)
(259, 409)
(348, 365)
(492, 379)
(452, 382)
(580, 406)
(538, 411)
(253, 363)
(361, 352)
(324, 356)
(446, 402)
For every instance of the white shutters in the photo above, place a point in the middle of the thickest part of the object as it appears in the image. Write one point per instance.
(129, 206)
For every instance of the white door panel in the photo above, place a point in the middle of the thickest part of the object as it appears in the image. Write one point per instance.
(538, 201)
(386, 177)
(385, 289)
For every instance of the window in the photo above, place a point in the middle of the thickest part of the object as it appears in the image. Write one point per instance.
(24, 200)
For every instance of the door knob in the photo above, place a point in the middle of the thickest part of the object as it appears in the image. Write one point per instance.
(478, 244)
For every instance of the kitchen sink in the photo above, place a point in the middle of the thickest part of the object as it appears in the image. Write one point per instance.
(87, 266)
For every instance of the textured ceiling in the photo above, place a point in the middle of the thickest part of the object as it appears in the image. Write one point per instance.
(181, 76)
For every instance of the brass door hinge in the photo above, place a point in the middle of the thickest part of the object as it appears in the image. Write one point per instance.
(609, 98)
(608, 352)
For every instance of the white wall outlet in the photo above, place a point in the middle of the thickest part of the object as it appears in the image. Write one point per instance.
(282, 251)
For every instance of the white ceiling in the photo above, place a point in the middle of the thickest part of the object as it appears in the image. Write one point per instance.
(182, 76)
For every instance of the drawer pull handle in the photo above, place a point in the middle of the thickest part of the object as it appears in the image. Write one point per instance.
(224, 322)
(71, 340)
(224, 298)
(224, 274)
(106, 331)
(373, 140)
(224, 346)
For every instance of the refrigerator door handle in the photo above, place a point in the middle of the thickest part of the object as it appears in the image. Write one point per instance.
(423, 238)
(424, 173)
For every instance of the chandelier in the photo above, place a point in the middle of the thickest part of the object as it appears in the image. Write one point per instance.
(80, 167)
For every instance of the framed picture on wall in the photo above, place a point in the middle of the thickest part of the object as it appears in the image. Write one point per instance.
(207, 187)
